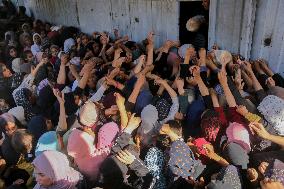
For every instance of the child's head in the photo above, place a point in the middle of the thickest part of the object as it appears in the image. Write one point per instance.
(28, 56)
(175, 127)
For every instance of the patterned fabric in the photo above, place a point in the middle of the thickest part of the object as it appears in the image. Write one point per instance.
(182, 162)
(163, 108)
(272, 108)
(228, 177)
(210, 127)
(21, 99)
(275, 171)
(17, 79)
(155, 162)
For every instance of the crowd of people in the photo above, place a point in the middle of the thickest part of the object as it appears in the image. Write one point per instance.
(102, 111)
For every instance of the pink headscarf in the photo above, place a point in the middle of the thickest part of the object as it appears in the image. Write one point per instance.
(87, 157)
(55, 165)
(239, 134)
(199, 143)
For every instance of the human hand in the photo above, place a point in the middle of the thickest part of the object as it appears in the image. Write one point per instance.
(258, 128)
(209, 151)
(18, 182)
(117, 63)
(120, 100)
(59, 96)
(190, 52)
(2, 162)
(111, 111)
(140, 80)
(125, 157)
(142, 59)
(64, 58)
(179, 83)
(222, 76)
(165, 129)
(195, 71)
(197, 183)
(242, 110)
(160, 81)
(133, 122)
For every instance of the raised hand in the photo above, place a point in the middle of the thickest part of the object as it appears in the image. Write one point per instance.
(258, 128)
(59, 96)
(125, 157)
(120, 100)
(242, 110)
(222, 76)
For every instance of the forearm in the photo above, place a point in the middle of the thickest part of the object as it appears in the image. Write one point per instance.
(276, 139)
(220, 160)
(98, 95)
(150, 53)
(255, 82)
(74, 72)
(202, 87)
(62, 123)
(123, 117)
(133, 97)
(229, 96)
(138, 68)
(83, 81)
(171, 92)
(62, 75)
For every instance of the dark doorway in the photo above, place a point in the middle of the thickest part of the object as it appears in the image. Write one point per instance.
(187, 10)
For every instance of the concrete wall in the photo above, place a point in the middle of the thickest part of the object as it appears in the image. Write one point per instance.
(242, 26)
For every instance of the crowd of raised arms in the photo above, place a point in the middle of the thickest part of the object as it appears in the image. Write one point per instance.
(81, 111)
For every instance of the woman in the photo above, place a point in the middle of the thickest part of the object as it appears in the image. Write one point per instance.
(87, 156)
(36, 47)
(50, 175)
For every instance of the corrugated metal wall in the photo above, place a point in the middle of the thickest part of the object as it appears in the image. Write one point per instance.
(132, 17)
(254, 28)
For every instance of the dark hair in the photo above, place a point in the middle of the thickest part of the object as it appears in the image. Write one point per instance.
(20, 140)
(25, 54)
(175, 127)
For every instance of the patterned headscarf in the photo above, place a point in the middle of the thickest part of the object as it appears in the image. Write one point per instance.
(155, 162)
(210, 125)
(272, 108)
(163, 107)
(182, 161)
(228, 177)
(275, 171)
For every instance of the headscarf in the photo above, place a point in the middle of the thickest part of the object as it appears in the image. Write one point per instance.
(87, 157)
(55, 166)
(272, 108)
(16, 65)
(22, 99)
(199, 143)
(12, 41)
(210, 125)
(239, 134)
(182, 162)
(155, 162)
(37, 126)
(19, 113)
(36, 34)
(236, 155)
(107, 135)
(228, 177)
(149, 117)
(163, 107)
(68, 44)
(275, 171)
(47, 141)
